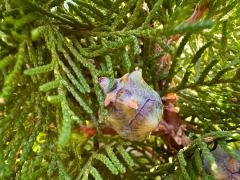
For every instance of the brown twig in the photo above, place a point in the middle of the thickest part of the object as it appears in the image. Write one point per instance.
(172, 129)
(91, 130)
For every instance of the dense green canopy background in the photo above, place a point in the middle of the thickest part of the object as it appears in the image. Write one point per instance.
(52, 54)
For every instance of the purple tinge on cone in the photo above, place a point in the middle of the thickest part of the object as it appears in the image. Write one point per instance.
(135, 109)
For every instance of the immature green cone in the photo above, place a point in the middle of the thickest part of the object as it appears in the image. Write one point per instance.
(135, 109)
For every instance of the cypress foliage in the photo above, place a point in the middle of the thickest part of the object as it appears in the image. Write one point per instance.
(52, 53)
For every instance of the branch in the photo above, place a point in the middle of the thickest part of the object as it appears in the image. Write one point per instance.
(172, 130)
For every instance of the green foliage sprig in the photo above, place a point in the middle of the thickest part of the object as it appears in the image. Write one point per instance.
(52, 53)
